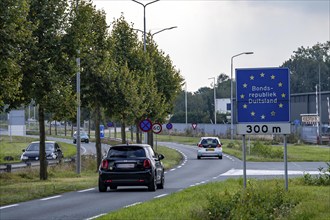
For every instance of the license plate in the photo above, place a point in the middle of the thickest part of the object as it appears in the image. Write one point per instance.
(210, 149)
(125, 165)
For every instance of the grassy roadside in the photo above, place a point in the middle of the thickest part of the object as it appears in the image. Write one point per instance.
(262, 199)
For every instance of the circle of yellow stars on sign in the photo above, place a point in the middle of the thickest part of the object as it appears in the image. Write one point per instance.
(280, 105)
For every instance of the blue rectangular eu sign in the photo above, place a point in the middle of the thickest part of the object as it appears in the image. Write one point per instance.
(263, 95)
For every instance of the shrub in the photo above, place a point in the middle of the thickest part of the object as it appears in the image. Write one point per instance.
(234, 145)
(254, 202)
(323, 179)
(266, 151)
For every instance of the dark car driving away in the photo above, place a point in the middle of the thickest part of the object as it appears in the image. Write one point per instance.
(53, 151)
(131, 165)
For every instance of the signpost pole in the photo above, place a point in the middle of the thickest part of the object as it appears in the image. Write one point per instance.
(244, 161)
(286, 162)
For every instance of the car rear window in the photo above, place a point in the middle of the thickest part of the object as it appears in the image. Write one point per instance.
(126, 152)
(210, 142)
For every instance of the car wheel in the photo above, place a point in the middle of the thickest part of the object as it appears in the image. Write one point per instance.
(152, 186)
(86, 141)
(198, 157)
(113, 187)
(161, 185)
(102, 186)
(220, 157)
(74, 141)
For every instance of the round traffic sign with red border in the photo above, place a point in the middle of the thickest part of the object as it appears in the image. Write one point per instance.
(145, 125)
(157, 128)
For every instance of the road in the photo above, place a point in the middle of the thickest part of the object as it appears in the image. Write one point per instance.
(89, 203)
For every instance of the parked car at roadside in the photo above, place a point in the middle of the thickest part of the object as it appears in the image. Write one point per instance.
(209, 147)
(131, 165)
(31, 153)
(83, 137)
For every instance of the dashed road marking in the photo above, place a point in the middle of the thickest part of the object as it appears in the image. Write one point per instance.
(48, 198)
(8, 206)
(137, 203)
(96, 216)
(86, 190)
(159, 196)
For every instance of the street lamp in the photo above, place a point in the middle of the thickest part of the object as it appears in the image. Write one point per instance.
(165, 29)
(215, 107)
(231, 94)
(144, 20)
(157, 32)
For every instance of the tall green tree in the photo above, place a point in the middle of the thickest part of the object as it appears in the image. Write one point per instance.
(88, 34)
(15, 33)
(129, 76)
(308, 66)
(44, 79)
(168, 81)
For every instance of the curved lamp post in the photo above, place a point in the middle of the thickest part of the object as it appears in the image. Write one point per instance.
(144, 20)
(231, 93)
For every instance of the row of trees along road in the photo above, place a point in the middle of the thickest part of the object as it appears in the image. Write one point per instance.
(307, 67)
(40, 41)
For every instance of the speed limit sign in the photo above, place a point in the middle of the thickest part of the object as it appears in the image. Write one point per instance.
(156, 128)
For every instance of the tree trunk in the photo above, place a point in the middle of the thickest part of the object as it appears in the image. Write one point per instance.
(123, 132)
(98, 145)
(55, 127)
(132, 138)
(65, 127)
(115, 126)
(71, 129)
(151, 138)
(42, 147)
(138, 139)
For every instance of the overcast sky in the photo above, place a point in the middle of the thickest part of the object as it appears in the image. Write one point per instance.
(209, 33)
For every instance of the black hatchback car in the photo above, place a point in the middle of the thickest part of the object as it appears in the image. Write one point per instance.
(131, 165)
(53, 151)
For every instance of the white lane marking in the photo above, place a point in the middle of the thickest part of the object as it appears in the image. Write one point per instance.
(48, 198)
(83, 149)
(96, 216)
(239, 172)
(159, 196)
(172, 169)
(86, 190)
(8, 206)
(137, 203)
(179, 167)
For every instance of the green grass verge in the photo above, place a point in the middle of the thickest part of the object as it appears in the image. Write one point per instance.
(262, 199)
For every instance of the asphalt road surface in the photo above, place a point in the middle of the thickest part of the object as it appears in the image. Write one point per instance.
(89, 203)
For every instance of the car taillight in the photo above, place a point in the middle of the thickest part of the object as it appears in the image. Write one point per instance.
(219, 145)
(146, 163)
(200, 145)
(104, 164)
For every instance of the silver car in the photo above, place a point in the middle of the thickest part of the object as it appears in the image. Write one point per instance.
(209, 147)
(83, 137)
